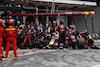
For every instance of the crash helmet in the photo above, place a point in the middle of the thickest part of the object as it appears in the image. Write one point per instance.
(54, 23)
(2, 22)
(11, 21)
(61, 21)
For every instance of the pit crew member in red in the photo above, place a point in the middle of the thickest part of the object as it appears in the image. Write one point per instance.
(1, 34)
(10, 34)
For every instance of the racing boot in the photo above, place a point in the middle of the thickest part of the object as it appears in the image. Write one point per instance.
(6, 56)
(0, 58)
(16, 56)
(3, 57)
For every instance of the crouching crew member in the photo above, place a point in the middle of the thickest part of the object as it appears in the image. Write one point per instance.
(74, 36)
(10, 37)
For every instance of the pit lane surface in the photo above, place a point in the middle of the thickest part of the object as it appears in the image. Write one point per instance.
(54, 58)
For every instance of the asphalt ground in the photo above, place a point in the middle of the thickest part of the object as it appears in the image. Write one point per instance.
(54, 58)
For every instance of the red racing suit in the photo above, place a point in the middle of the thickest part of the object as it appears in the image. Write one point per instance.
(10, 39)
(1, 34)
